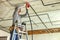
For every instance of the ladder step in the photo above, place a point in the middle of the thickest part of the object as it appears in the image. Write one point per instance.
(15, 33)
(22, 32)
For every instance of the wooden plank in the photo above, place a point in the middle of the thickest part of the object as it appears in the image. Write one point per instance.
(3, 36)
(44, 31)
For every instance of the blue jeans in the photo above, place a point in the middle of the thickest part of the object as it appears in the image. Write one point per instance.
(11, 33)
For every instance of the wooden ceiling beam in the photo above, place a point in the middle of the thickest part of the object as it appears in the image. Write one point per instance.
(43, 31)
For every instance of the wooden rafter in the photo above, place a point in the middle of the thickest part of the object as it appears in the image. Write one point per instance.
(44, 31)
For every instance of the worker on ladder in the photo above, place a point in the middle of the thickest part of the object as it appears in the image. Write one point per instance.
(17, 20)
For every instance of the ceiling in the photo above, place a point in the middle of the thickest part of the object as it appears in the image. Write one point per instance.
(47, 10)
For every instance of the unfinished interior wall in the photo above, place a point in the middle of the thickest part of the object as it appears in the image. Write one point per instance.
(55, 18)
(50, 36)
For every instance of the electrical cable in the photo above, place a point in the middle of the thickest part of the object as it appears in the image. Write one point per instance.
(30, 22)
(40, 19)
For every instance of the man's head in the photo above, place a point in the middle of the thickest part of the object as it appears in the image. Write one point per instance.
(18, 9)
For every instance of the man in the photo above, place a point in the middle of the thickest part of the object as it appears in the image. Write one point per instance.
(16, 22)
(16, 19)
